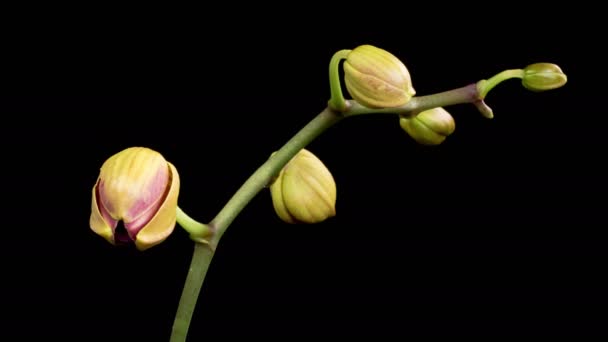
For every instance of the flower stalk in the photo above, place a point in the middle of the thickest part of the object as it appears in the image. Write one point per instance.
(139, 187)
(203, 253)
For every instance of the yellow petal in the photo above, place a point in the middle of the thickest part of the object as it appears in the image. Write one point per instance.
(132, 181)
(96, 221)
(276, 193)
(309, 190)
(376, 78)
(429, 127)
(163, 222)
(438, 120)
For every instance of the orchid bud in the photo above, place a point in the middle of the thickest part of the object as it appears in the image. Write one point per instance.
(376, 78)
(304, 191)
(543, 76)
(429, 127)
(138, 187)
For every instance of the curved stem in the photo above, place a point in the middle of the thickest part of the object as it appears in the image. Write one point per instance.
(198, 231)
(264, 174)
(336, 100)
(203, 253)
(201, 259)
(486, 85)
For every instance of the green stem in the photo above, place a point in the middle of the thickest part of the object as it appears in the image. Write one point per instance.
(198, 231)
(467, 94)
(264, 174)
(336, 100)
(203, 253)
(486, 85)
(199, 265)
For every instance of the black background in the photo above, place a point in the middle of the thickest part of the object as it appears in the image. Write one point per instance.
(496, 232)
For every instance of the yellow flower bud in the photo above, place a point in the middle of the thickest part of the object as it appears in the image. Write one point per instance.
(543, 76)
(376, 78)
(138, 187)
(304, 191)
(429, 127)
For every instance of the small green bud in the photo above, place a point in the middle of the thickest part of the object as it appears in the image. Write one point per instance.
(429, 127)
(304, 191)
(377, 79)
(543, 76)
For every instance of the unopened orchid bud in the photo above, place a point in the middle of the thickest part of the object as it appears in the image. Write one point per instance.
(543, 76)
(138, 188)
(429, 127)
(304, 191)
(377, 79)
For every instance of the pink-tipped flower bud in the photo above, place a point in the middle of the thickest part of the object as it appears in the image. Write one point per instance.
(138, 188)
